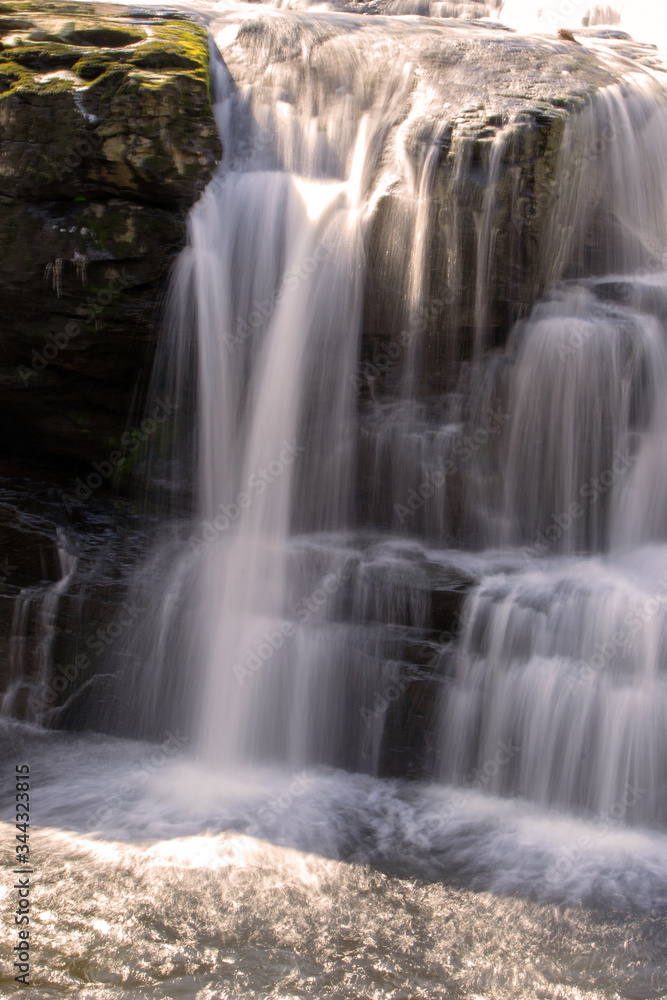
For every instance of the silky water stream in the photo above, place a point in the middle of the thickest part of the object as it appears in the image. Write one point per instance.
(346, 533)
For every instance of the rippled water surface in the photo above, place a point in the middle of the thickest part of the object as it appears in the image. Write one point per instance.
(157, 879)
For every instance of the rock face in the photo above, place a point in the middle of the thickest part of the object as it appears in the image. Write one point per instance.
(107, 136)
(496, 187)
(62, 584)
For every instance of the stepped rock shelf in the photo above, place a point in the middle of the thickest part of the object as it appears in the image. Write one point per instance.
(107, 138)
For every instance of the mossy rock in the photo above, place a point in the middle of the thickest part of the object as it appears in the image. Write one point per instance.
(107, 136)
(45, 56)
(91, 105)
(161, 55)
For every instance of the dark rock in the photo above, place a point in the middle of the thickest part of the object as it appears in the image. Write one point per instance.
(62, 579)
(106, 138)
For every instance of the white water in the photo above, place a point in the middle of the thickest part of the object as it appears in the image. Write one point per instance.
(107, 791)
(565, 660)
(184, 910)
(298, 625)
(273, 281)
(643, 19)
(276, 271)
(42, 603)
(287, 621)
(278, 328)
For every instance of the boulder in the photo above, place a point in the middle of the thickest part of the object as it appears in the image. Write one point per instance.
(107, 137)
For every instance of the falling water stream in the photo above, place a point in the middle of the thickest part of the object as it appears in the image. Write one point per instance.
(376, 504)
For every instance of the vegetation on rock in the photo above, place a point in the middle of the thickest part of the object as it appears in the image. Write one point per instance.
(107, 136)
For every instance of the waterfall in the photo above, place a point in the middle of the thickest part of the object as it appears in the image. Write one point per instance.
(272, 285)
(563, 659)
(31, 665)
(585, 404)
(365, 458)
(355, 683)
(565, 664)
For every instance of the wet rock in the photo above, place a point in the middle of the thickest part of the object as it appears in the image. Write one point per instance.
(106, 138)
(48, 623)
(494, 189)
(29, 550)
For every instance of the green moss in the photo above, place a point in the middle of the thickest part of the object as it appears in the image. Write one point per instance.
(53, 85)
(182, 41)
(96, 50)
(163, 56)
(110, 80)
(53, 8)
(12, 75)
(90, 67)
(139, 124)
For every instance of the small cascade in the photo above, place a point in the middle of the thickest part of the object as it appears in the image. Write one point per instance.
(561, 661)
(585, 404)
(609, 201)
(565, 665)
(414, 441)
(31, 641)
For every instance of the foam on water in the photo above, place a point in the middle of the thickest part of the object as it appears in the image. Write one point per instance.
(118, 790)
(550, 744)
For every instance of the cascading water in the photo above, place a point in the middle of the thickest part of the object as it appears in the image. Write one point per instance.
(299, 622)
(565, 659)
(273, 284)
(412, 524)
(36, 666)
